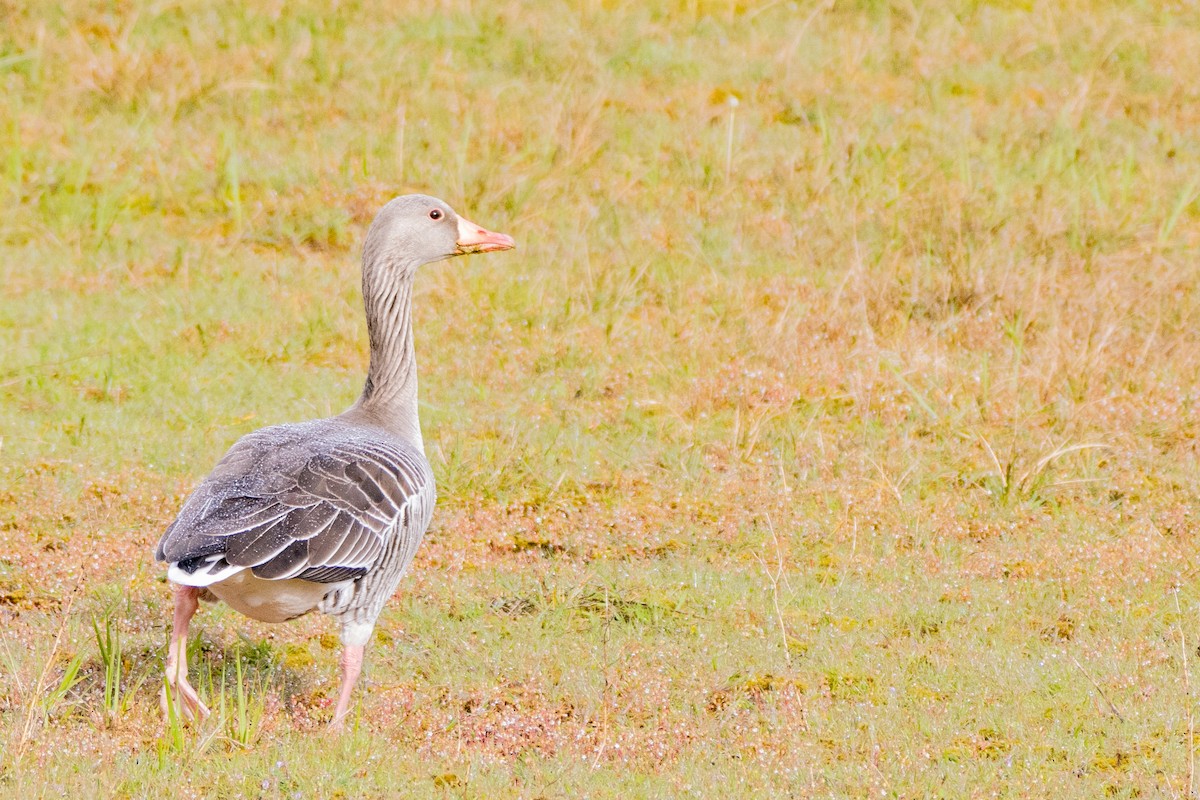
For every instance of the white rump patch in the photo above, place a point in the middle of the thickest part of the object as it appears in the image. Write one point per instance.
(202, 576)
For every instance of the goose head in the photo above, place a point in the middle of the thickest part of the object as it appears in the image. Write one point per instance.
(417, 229)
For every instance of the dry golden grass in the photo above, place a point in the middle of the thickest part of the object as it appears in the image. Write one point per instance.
(831, 433)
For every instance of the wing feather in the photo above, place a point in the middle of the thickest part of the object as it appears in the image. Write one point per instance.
(316, 500)
(258, 545)
(325, 545)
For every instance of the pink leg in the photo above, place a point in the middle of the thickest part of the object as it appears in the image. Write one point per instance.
(352, 661)
(187, 702)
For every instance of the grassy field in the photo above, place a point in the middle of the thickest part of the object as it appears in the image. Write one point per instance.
(831, 433)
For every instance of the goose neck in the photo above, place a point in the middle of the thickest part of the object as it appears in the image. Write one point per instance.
(390, 395)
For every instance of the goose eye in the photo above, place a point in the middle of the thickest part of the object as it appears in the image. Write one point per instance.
(435, 214)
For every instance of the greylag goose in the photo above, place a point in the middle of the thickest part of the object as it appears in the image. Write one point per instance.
(324, 515)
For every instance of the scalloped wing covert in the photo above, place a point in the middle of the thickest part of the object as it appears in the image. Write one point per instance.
(317, 501)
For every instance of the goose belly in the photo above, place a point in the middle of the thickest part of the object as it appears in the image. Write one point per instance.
(271, 601)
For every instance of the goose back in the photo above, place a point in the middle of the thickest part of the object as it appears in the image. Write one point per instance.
(326, 501)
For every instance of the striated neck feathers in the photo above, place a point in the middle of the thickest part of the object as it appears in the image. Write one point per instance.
(389, 398)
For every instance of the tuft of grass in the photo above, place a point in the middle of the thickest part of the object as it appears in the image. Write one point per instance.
(243, 714)
(1010, 483)
(173, 740)
(58, 692)
(109, 645)
(118, 691)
